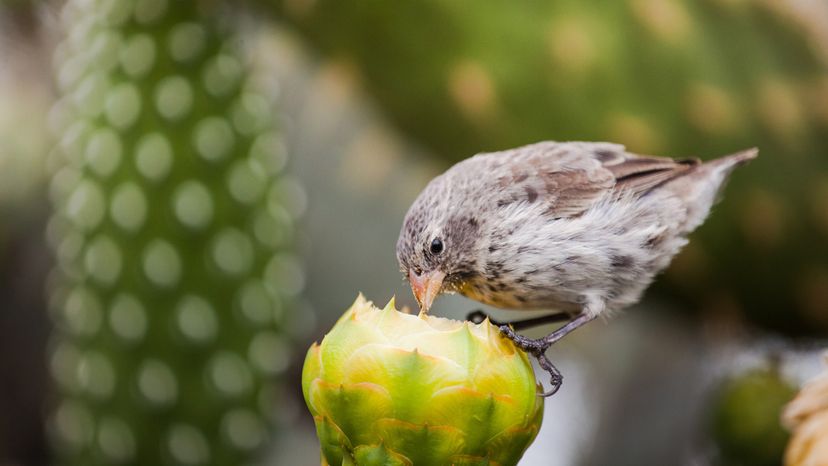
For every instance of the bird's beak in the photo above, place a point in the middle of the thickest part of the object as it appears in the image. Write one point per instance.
(426, 287)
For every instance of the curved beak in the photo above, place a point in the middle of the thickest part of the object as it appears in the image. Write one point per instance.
(426, 287)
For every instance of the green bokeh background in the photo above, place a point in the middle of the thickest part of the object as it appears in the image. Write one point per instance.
(368, 100)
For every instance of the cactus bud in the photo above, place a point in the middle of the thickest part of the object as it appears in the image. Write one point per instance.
(385, 387)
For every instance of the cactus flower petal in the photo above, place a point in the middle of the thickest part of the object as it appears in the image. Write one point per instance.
(423, 443)
(353, 405)
(333, 442)
(378, 454)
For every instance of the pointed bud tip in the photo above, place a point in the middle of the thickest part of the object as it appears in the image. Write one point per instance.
(491, 333)
(468, 327)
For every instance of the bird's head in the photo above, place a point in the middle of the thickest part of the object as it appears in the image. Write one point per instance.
(437, 246)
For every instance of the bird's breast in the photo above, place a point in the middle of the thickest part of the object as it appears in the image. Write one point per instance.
(497, 293)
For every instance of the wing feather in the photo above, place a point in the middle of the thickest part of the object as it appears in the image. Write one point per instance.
(571, 177)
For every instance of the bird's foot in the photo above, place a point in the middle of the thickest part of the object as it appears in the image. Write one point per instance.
(555, 376)
(529, 345)
(537, 348)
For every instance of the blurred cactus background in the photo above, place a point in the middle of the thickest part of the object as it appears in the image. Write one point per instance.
(191, 193)
(171, 230)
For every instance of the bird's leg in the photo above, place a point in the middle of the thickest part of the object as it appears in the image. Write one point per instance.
(542, 320)
(582, 319)
(479, 316)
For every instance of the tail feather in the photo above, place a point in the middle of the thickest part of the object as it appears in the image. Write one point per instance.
(729, 162)
(700, 187)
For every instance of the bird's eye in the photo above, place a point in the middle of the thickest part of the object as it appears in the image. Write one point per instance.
(436, 246)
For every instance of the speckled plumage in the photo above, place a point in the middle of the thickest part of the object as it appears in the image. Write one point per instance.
(561, 226)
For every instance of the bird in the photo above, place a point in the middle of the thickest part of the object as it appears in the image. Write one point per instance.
(579, 228)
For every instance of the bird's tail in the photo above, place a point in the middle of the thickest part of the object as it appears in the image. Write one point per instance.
(701, 187)
(727, 163)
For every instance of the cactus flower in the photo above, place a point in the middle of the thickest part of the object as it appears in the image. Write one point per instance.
(389, 388)
(807, 419)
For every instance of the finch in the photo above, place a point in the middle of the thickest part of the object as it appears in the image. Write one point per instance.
(577, 227)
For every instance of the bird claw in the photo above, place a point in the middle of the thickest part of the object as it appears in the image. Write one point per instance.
(555, 376)
(537, 348)
(528, 345)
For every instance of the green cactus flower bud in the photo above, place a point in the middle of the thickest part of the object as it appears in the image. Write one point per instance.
(388, 388)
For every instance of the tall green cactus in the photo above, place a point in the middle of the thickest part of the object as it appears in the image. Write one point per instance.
(667, 77)
(172, 231)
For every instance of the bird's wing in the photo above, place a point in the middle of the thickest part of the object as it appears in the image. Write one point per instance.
(639, 174)
(569, 178)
